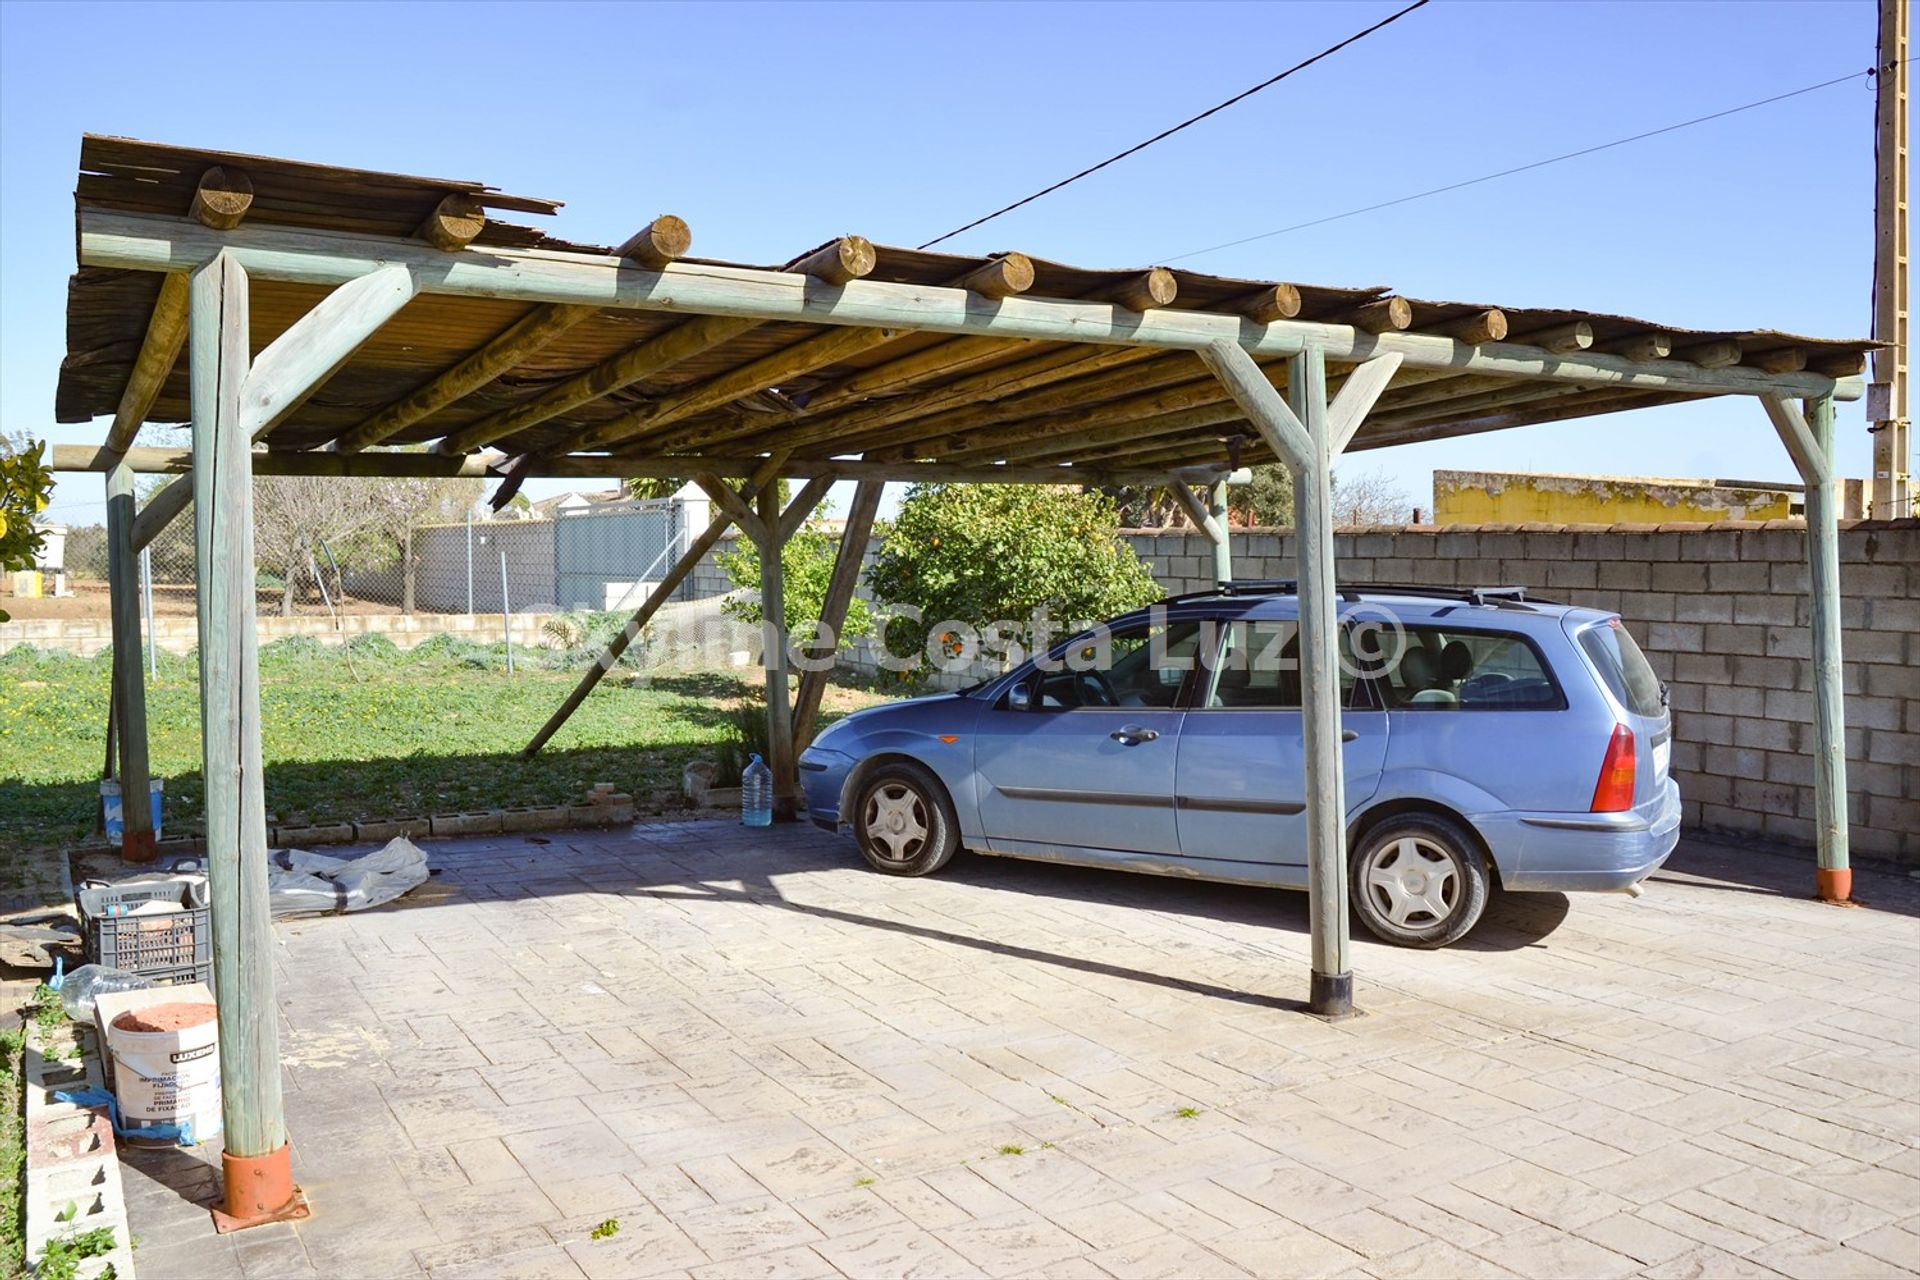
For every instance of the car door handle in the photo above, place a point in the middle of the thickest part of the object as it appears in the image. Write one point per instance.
(1132, 735)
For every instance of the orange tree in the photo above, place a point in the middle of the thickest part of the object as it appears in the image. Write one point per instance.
(25, 482)
(987, 554)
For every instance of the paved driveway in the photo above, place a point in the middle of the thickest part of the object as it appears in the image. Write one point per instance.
(760, 1059)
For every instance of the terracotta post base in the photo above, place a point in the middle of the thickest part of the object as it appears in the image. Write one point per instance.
(259, 1190)
(137, 846)
(1835, 884)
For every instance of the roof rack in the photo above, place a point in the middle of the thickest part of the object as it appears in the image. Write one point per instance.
(1496, 597)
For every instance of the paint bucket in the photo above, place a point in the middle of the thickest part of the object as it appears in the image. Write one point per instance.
(166, 1071)
(115, 818)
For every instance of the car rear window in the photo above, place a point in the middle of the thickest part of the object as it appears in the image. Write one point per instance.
(1623, 668)
(1440, 670)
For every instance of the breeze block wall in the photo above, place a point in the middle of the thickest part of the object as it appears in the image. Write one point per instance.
(1723, 614)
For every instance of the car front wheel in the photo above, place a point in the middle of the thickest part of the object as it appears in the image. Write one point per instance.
(1419, 880)
(903, 820)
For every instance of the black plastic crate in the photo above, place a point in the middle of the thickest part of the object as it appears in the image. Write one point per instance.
(169, 946)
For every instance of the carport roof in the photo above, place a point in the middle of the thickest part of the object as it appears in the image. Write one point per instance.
(655, 378)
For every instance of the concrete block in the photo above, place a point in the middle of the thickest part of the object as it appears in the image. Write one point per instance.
(1763, 608)
(1740, 577)
(537, 818)
(1680, 578)
(1736, 700)
(1702, 608)
(1787, 828)
(1792, 642)
(1674, 636)
(1867, 712)
(1751, 730)
(1703, 668)
(1794, 768)
(310, 836)
(1733, 637)
(602, 815)
(1625, 575)
(1889, 746)
(1768, 673)
(1642, 607)
(389, 828)
(1573, 576)
(465, 824)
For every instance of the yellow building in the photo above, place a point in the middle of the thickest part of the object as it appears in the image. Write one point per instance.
(1512, 497)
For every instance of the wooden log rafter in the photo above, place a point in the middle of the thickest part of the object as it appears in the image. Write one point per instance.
(222, 198)
(159, 351)
(455, 223)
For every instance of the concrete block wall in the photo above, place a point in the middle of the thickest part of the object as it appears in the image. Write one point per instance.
(1723, 615)
(90, 636)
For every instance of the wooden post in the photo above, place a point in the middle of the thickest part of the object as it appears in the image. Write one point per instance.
(833, 610)
(129, 678)
(1808, 435)
(773, 633)
(1307, 433)
(1222, 545)
(256, 1165)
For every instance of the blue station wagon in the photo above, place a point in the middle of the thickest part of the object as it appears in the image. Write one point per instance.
(1489, 741)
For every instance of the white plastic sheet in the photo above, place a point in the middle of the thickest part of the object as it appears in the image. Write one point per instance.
(302, 883)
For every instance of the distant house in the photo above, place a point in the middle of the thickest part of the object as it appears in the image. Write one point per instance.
(564, 503)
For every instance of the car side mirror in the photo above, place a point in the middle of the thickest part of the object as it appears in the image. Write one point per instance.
(1020, 696)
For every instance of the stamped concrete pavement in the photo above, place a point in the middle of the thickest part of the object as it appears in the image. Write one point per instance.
(689, 1049)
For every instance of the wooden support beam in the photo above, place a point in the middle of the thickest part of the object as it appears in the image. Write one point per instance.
(1003, 277)
(974, 442)
(222, 199)
(1782, 360)
(666, 239)
(1477, 329)
(255, 1134)
(692, 556)
(682, 342)
(781, 757)
(1156, 287)
(1357, 396)
(298, 361)
(1254, 392)
(1652, 345)
(818, 667)
(159, 350)
(144, 242)
(846, 259)
(520, 340)
(1390, 314)
(1269, 303)
(1722, 353)
(738, 508)
(947, 359)
(1196, 512)
(1055, 439)
(129, 667)
(1810, 458)
(161, 510)
(1562, 339)
(1845, 364)
(403, 465)
(1813, 430)
(455, 223)
(802, 507)
(909, 416)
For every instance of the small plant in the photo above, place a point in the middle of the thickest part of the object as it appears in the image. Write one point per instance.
(1187, 1113)
(64, 1254)
(863, 1182)
(611, 1227)
(47, 1009)
(1054, 1097)
(1013, 1149)
(746, 730)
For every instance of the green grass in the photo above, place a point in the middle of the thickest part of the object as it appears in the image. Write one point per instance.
(434, 730)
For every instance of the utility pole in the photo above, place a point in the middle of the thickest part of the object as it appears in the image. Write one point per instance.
(1887, 394)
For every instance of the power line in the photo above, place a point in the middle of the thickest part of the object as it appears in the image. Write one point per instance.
(1193, 120)
(1523, 168)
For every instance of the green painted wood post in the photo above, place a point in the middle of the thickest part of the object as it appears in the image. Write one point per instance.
(1331, 993)
(1829, 702)
(129, 674)
(230, 715)
(773, 632)
(1223, 549)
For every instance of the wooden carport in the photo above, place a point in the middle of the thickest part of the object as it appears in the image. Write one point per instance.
(332, 314)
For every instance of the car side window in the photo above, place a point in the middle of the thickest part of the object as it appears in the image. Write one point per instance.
(1439, 670)
(1259, 667)
(1144, 665)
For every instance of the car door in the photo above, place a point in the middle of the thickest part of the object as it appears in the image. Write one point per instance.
(1241, 773)
(1088, 762)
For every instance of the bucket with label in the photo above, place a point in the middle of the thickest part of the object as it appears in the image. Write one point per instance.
(166, 1071)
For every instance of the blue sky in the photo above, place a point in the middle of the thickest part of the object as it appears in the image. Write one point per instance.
(772, 127)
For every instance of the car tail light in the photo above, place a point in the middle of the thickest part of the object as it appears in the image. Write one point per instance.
(1614, 792)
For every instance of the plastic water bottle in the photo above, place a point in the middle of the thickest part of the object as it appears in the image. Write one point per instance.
(756, 794)
(80, 988)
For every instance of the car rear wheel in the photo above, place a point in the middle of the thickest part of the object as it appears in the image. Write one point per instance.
(1419, 880)
(904, 821)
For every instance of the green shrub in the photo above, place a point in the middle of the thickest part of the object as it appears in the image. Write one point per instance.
(374, 647)
(806, 565)
(986, 553)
